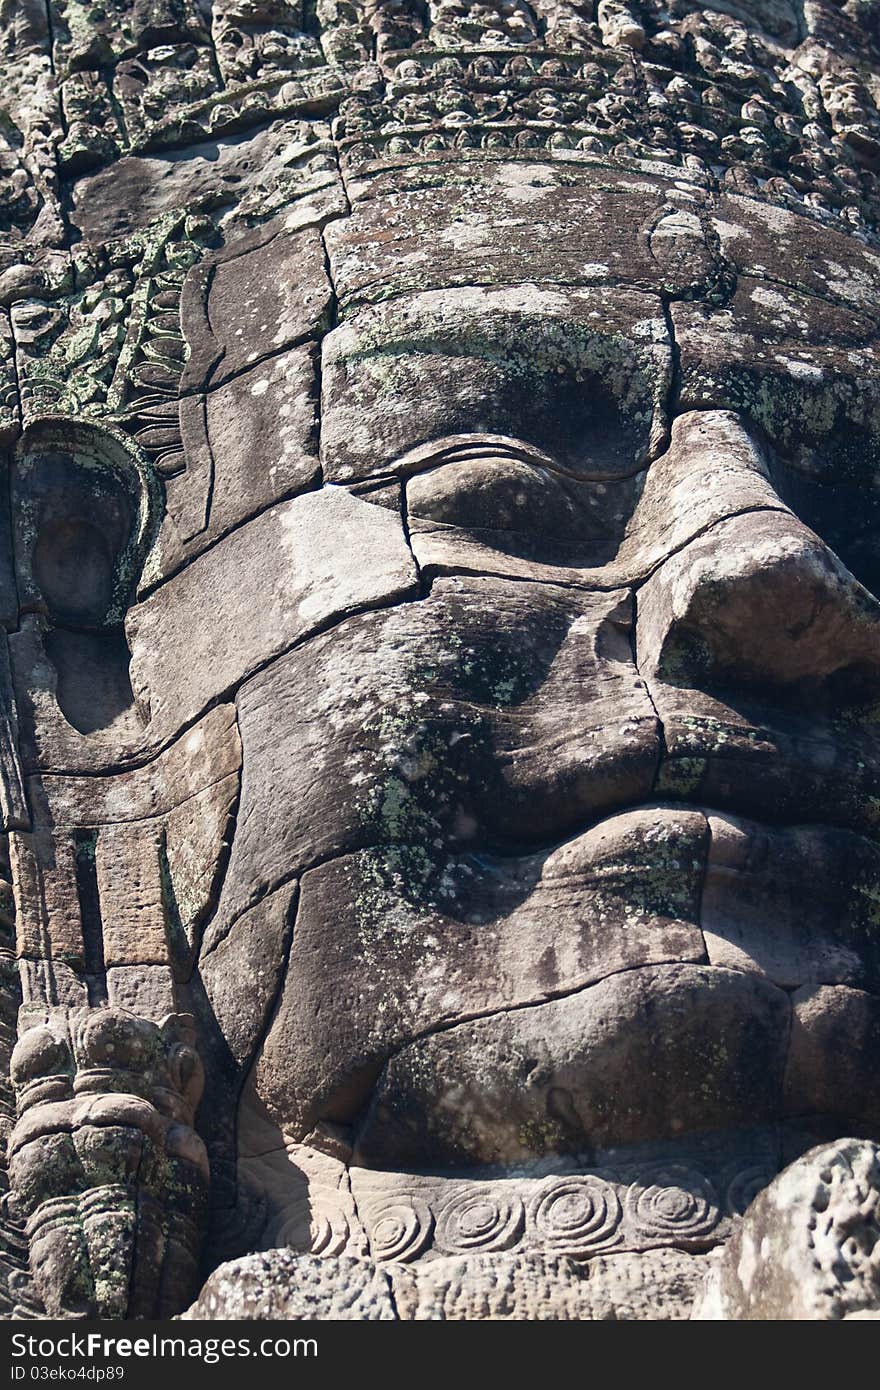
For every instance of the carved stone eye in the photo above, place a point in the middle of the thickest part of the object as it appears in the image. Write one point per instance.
(523, 509)
(494, 492)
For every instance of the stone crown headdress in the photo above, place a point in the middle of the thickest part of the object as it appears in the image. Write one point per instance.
(777, 97)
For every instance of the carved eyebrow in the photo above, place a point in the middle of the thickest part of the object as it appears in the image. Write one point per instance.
(459, 448)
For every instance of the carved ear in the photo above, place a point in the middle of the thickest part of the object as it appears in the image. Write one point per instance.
(83, 504)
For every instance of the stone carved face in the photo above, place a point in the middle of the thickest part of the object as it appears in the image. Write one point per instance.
(524, 533)
(567, 780)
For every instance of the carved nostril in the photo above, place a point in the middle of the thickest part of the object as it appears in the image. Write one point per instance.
(757, 600)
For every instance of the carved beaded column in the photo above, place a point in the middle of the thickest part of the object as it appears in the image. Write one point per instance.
(107, 1172)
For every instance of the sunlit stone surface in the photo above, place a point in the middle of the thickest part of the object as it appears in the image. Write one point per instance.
(439, 655)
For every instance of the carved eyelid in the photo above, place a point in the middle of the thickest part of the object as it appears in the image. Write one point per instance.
(460, 448)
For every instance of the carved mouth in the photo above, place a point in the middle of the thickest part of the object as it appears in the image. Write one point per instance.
(784, 772)
(793, 778)
(647, 969)
(676, 970)
(798, 904)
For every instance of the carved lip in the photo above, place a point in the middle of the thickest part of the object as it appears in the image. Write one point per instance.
(626, 1026)
(796, 903)
(777, 894)
(764, 785)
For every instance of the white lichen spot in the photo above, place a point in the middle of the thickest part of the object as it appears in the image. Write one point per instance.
(806, 371)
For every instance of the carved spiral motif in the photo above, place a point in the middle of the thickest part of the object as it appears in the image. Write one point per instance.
(479, 1220)
(315, 1222)
(679, 1203)
(400, 1230)
(576, 1215)
(744, 1186)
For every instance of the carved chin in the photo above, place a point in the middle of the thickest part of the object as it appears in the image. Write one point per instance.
(653, 1053)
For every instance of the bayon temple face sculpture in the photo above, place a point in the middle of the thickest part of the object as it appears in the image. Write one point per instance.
(440, 714)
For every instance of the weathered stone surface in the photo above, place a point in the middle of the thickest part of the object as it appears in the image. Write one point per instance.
(150, 991)
(46, 978)
(830, 1068)
(803, 368)
(485, 398)
(130, 889)
(138, 190)
(13, 810)
(84, 503)
(119, 30)
(628, 1200)
(283, 1284)
(458, 717)
(197, 836)
(207, 754)
(245, 1203)
(197, 637)
(256, 950)
(662, 1285)
(757, 759)
(658, 1285)
(708, 1046)
(77, 711)
(753, 917)
(735, 633)
(259, 295)
(106, 1167)
(154, 879)
(581, 374)
(485, 507)
(774, 243)
(249, 443)
(120, 870)
(47, 917)
(807, 1248)
(645, 231)
(730, 587)
(491, 934)
(303, 1191)
(142, 84)
(257, 42)
(8, 591)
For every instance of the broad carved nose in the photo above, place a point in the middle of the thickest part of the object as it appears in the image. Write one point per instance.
(757, 600)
